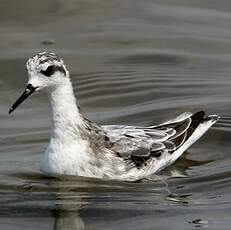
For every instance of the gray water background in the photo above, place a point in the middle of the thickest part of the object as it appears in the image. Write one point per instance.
(131, 62)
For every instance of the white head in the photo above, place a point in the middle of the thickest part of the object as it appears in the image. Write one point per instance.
(46, 71)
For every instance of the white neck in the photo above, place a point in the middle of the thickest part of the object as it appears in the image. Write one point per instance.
(65, 114)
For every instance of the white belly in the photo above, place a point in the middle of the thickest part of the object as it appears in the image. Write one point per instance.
(69, 159)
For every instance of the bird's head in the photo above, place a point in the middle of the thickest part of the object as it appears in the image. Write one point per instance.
(46, 71)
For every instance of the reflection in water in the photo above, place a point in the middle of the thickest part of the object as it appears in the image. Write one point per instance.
(68, 204)
(68, 220)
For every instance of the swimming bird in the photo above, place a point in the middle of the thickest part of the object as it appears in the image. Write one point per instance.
(81, 147)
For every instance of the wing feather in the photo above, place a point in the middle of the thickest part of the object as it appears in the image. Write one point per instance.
(156, 146)
(181, 128)
(140, 143)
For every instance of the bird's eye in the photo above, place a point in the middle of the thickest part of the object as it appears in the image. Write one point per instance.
(49, 71)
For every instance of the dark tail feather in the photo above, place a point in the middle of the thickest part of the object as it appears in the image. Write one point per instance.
(197, 118)
(200, 123)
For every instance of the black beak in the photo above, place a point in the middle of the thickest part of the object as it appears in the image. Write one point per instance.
(28, 91)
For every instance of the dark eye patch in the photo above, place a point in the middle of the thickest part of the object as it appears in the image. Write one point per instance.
(52, 69)
(49, 71)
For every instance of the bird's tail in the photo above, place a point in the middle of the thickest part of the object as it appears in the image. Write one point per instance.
(199, 125)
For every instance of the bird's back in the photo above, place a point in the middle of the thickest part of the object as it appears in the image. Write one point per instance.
(142, 146)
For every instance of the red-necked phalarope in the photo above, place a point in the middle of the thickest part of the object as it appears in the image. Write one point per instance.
(81, 147)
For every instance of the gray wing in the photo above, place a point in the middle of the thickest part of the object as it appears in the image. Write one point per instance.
(130, 141)
(141, 143)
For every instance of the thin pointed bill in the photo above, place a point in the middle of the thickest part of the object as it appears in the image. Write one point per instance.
(28, 91)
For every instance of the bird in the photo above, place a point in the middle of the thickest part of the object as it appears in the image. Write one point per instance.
(80, 147)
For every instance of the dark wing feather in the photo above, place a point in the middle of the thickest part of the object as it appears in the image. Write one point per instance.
(184, 129)
(181, 128)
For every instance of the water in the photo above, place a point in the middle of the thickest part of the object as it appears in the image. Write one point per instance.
(131, 62)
